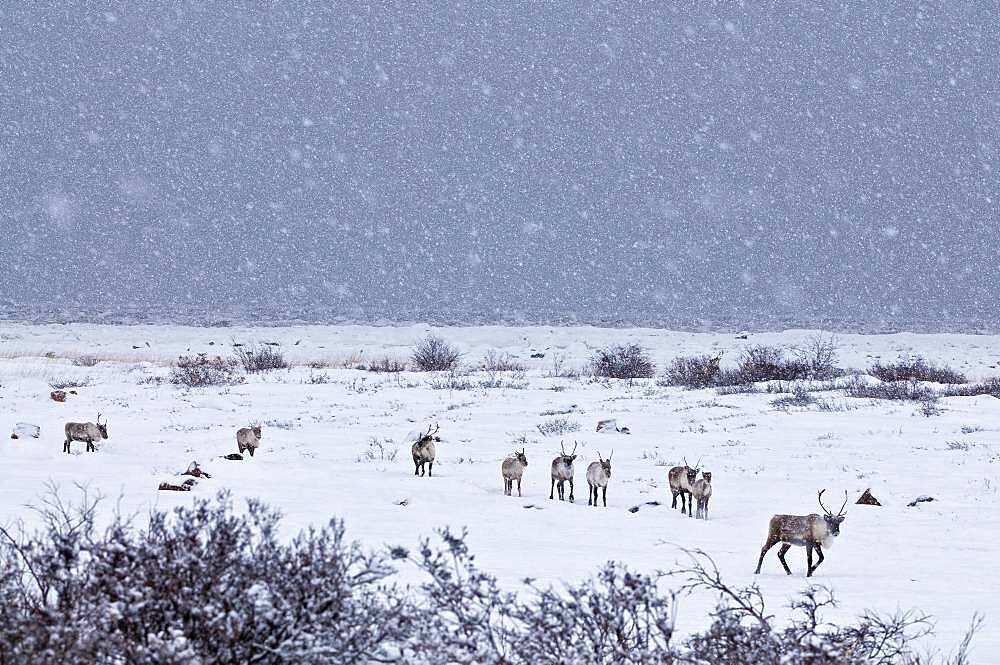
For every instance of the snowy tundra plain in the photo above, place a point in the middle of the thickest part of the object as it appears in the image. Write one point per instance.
(335, 444)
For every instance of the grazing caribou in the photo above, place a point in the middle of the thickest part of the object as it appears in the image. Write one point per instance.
(598, 475)
(88, 432)
(814, 531)
(513, 469)
(562, 470)
(423, 451)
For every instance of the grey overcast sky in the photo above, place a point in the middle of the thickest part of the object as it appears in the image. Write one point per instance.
(756, 163)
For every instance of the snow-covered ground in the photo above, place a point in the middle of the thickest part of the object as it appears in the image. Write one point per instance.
(319, 422)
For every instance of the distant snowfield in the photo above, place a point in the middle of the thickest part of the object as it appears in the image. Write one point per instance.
(938, 557)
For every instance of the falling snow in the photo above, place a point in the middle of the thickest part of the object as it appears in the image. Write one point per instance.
(558, 162)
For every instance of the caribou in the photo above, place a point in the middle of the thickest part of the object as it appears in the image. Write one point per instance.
(423, 451)
(702, 493)
(248, 438)
(88, 432)
(513, 469)
(598, 475)
(813, 531)
(562, 470)
(681, 479)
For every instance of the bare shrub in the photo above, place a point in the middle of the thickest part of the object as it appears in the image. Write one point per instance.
(987, 387)
(204, 370)
(628, 361)
(915, 368)
(455, 379)
(317, 378)
(387, 365)
(692, 372)
(736, 388)
(769, 363)
(560, 369)
(819, 353)
(66, 384)
(895, 390)
(256, 359)
(379, 450)
(800, 398)
(85, 360)
(501, 362)
(558, 427)
(433, 354)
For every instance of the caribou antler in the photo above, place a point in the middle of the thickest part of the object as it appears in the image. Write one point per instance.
(697, 464)
(574, 448)
(98, 418)
(612, 454)
(844, 505)
(820, 498)
(562, 448)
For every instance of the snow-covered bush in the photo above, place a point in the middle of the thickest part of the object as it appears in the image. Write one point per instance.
(212, 584)
(558, 426)
(692, 372)
(915, 368)
(202, 584)
(255, 359)
(386, 364)
(204, 370)
(501, 362)
(627, 361)
(433, 354)
(769, 363)
(894, 390)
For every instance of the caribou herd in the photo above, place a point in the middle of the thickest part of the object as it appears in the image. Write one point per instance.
(814, 532)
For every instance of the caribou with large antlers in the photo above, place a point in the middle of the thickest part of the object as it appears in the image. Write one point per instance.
(562, 470)
(813, 531)
(88, 432)
(423, 451)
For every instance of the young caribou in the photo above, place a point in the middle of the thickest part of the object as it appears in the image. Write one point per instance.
(814, 531)
(681, 479)
(423, 451)
(513, 469)
(562, 470)
(598, 475)
(701, 494)
(248, 438)
(88, 432)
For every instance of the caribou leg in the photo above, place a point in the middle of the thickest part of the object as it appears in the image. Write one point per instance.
(605, 496)
(591, 499)
(518, 486)
(819, 552)
(673, 504)
(809, 559)
(571, 490)
(781, 557)
(768, 545)
(430, 469)
(66, 446)
(553, 490)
